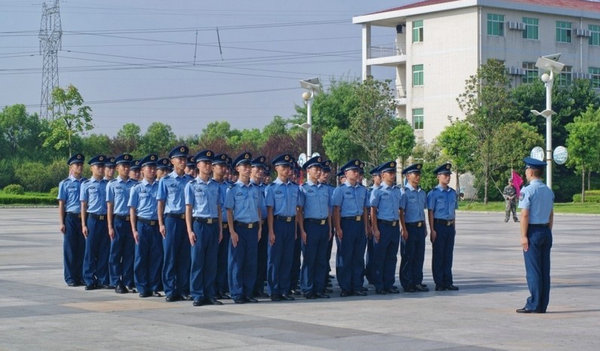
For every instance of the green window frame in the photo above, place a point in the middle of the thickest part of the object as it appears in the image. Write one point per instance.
(417, 31)
(594, 34)
(531, 28)
(531, 72)
(565, 77)
(563, 32)
(417, 118)
(595, 76)
(418, 75)
(495, 24)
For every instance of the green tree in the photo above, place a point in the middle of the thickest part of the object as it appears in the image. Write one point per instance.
(487, 105)
(20, 133)
(72, 118)
(459, 143)
(128, 138)
(402, 141)
(159, 138)
(338, 146)
(96, 144)
(584, 145)
(431, 156)
(278, 126)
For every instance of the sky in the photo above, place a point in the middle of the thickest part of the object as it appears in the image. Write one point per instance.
(187, 63)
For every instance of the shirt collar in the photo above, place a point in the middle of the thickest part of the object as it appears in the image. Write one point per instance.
(75, 179)
(442, 189)
(145, 182)
(278, 181)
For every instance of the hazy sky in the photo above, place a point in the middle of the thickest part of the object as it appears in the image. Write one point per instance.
(142, 61)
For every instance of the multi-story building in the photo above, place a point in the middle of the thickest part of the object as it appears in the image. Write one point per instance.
(440, 43)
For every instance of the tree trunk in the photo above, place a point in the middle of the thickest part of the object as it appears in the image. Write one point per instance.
(486, 181)
(582, 185)
(589, 177)
(457, 184)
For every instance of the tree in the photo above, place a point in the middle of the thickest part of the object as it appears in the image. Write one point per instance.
(402, 141)
(583, 144)
(487, 105)
(96, 144)
(159, 138)
(20, 133)
(128, 138)
(72, 118)
(338, 146)
(459, 143)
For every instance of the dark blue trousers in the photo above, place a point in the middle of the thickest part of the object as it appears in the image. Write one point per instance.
(97, 249)
(350, 260)
(369, 261)
(384, 256)
(148, 258)
(242, 262)
(296, 262)
(443, 248)
(413, 254)
(73, 249)
(314, 254)
(204, 260)
(222, 281)
(280, 257)
(537, 267)
(176, 248)
(122, 253)
(261, 270)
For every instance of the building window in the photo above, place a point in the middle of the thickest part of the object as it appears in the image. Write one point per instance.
(531, 28)
(563, 32)
(594, 34)
(417, 118)
(417, 31)
(418, 78)
(595, 73)
(565, 77)
(531, 72)
(495, 24)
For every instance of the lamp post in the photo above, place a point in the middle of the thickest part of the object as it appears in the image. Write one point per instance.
(312, 86)
(552, 67)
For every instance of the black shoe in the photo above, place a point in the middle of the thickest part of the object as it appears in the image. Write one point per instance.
(516, 220)
(421, 288)
(451, 287)
(380, 292)
(185, 298)
(239, 300)
(146, 294)
(90, 287)
(321, 296)
(505, 220)
(524, 310)
(328, 291)
(213, 301)
(345, 293)
(225, 296)
(171, 298)
(439, 288)
(106, 286)
(310, 296)
(360, 293)
(199, 302)
(251, 300)
(156, 294)
(364, 288)
(121, 289)
(410, 289)
(287, 297)
(132, 289)
(393, 290)
(275, 297)
(71, 284)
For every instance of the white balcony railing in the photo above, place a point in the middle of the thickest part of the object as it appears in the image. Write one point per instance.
(385, 51)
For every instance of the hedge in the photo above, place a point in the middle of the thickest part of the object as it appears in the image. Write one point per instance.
(590, 196)
(27, 199)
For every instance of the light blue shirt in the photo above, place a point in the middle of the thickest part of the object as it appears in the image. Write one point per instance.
(117, 192)
(442, 202)
(315, 200)
(350, 199)
(143, 198)
(69, 191)
(539, 200)
(244, 200)
(263, 208)
(283, 197)
(171, 190)
(223, 186)
(93, 192)
(413, 202)
(205, 197)
(387, 201)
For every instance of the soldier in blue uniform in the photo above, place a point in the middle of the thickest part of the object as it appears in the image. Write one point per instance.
(537, 217)
(441, 205)
(163, 167)
(256, 178)
(109, 168)
(349, 202)
(203, 220)
(282, 199)
(69, 214)
(122, 245)
(134, 170)
(220, 168)
(243, 203)
(144, 226)
(385, 212)
(190, 168)
(376, 177)
(171, 219)
(324, 179)
(94, 228)
(315, 230)
(295, 271)
(413, 204)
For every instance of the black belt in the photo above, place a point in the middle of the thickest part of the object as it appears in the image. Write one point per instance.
(176, 215)
(123, 218)
(392, 223)
(316, 220)
(246, 225)
(151, 222)
(97, 217)
(418, 224)
(286, 218)
(354, 218)
(207, 220)
(445, 222)
(541, 225)
(73, 214)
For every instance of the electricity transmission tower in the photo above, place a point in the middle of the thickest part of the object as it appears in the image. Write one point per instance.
(50, 42)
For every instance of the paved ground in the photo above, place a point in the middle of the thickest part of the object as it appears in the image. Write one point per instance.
(37, 310)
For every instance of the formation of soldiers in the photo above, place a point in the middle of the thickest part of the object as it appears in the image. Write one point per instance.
(208, 227)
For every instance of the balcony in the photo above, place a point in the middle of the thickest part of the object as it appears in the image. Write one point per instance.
(386, 55)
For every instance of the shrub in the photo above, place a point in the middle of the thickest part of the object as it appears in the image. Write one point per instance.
(54, 192)
(589, 197)
(16, 189)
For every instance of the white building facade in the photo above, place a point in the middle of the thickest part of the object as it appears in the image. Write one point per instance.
(440, 43)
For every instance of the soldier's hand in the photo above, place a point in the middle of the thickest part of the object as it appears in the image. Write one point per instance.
(376, 235)
(136, 237)
(433, 235)
(220, 236)
(111, 234)
(192, 237)
(271, 238)
(339, 233)
(63, 229)
(234, 238)
(304, 237)
(405, 235)
(162, 231)
(525, 243)
(330, 234)
(84, 231)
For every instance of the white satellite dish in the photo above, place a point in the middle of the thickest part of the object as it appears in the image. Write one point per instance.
(301, 159)
(560, 155)
(537, 153)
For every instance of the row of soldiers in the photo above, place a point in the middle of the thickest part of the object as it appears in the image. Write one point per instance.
(211, 226)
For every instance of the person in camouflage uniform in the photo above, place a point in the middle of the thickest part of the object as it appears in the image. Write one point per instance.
(510, 197)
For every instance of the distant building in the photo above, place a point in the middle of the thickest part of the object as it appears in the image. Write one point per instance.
(440, 43)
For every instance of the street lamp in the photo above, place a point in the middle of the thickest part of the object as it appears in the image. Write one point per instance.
(552, 67)
(312, 86)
